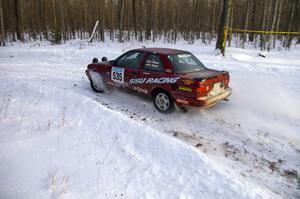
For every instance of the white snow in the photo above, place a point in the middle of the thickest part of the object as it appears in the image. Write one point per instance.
(59, 139)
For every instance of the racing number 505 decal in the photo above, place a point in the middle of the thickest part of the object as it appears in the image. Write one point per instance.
(117, 74)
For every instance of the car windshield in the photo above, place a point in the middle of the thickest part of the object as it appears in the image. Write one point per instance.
(185, 63)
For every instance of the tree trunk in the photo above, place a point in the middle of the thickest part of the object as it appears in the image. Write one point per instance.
(2, 25)
(273, 24)
(54, 15)
(248, 6)
(223, 26)
(213, 24)
(230, 25)
(134, 18)
(148, 20)
(63, 25)
(121, 20)
(292, 21)
(43, 15)
(268, 27)
(277, 24)
(263, 27)
(19, 25)
(251, 35)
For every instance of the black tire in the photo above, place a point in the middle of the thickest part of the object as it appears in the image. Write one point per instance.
(163, 102)
(95, 87)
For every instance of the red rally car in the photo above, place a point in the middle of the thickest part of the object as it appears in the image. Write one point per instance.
(169, 76)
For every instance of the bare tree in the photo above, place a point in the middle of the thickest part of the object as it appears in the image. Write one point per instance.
(121, 21)
(223, 26)
(19, 24)
(275, 11)
(294, 10)
(278, 22)
(248, 8)
(134, 18)
(2, 25)
(263, 27)
(170, 20)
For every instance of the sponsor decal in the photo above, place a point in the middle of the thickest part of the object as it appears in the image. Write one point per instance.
(137, 81)
(162, 80)
(117, 75)
(187, 81)
(182, 101)
(140, 90)
(183, 88)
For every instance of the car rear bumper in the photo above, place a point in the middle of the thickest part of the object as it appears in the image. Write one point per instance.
(210, 101)
(204, 102)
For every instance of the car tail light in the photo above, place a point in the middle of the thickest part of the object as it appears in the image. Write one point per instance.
(226, 82)
(202, 87)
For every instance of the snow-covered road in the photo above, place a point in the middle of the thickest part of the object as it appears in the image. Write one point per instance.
(58, 138)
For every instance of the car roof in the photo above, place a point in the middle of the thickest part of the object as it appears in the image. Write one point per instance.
(164, 51)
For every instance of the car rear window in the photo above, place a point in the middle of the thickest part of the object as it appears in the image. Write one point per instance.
(185, 63)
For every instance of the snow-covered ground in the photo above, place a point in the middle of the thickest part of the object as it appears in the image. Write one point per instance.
(58, 139)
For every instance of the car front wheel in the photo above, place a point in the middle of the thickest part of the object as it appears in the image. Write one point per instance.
(97, 83)
(163, 102)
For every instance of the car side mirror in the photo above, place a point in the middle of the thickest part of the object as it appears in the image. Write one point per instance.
(104, 59)
(95, 60)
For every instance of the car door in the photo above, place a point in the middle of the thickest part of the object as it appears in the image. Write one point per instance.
(126, 67)
(151, 72)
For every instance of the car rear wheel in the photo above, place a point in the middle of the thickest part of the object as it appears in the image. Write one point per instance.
(97, 83)
(163, 102)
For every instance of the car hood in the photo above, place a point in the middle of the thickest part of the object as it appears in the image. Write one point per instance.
(203, 74)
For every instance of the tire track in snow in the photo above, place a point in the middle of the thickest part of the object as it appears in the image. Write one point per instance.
(255, 164)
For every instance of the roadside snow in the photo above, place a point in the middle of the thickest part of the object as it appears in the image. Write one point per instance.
(50, 134)
(58, 138)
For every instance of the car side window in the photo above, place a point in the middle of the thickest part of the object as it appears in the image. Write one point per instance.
(153, 63)
(131, 59)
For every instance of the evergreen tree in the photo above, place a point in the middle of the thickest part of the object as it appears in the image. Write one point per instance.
(56, 37)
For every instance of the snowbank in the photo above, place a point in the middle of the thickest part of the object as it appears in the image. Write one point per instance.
(57, 139)
(57, 142)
